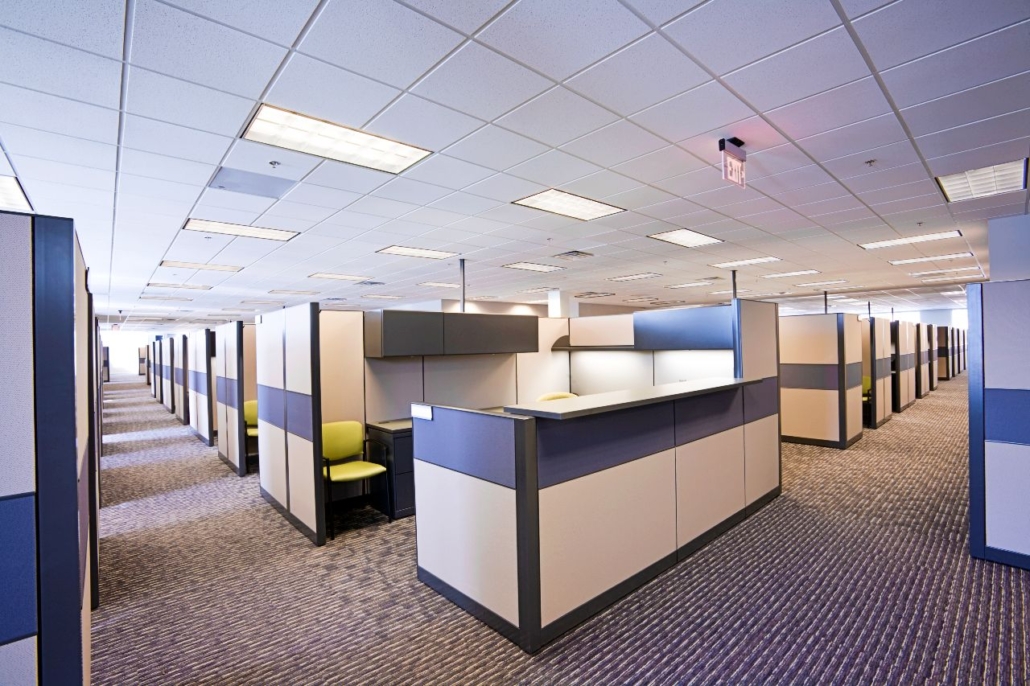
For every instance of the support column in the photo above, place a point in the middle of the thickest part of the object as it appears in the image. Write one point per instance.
(562, 304)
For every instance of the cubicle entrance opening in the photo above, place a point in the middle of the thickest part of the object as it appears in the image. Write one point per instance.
(877, 391)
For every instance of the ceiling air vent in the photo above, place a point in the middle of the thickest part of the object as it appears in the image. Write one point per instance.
(574, 255)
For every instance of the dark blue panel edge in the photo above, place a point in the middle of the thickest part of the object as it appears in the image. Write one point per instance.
(977, 468)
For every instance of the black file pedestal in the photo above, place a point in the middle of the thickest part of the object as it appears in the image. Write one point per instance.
(395, 437)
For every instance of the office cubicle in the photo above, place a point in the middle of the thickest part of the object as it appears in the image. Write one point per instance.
(168, 354)
(903, 365)
(143, 361)
(199, 384)
(925, 342)
(180, 378)
(945, 359)
(931, 343)
(610, 488)
(105, 364)
(999, 433)
(155, 368)
(877, 391)
(821, 379)
(234, 368)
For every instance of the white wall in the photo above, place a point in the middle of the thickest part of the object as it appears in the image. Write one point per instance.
(1008, 239)
(958, 317)
(124, 349)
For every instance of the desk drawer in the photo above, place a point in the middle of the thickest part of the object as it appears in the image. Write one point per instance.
(402, 454)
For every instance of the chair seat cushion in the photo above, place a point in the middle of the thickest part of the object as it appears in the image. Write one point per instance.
(252, 431)
(353, 471)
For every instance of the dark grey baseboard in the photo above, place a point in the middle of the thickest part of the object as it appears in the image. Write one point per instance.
(764, 500)
(483, 614)
(839, 445)
(688, 549)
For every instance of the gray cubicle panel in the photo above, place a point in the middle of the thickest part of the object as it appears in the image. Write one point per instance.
(234, 368)
(199, 377)
(821, 379)
(999, 434)
(168, 354)
(143, 361)
(876, 367)
(903, 365)
(923, 361)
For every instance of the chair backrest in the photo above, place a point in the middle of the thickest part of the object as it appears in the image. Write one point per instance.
(342, 439)
(250, 413)
(557, 395)
(867, 385)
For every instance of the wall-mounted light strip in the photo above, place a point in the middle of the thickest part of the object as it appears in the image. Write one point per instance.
(284, 129)
(935, 258)
(176, 264)
(984, 182)
(338, 277)
(926, 237)
(190, 286)
(635, 277)
(207, 226)
(641, 299)
(745, 263)
(532, 267)
(685, 238)
(568, 205)
(405, 251)
(12, 197)
(262, 302)
(784, 275)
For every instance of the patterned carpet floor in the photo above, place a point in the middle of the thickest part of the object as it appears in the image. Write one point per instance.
(858, 574)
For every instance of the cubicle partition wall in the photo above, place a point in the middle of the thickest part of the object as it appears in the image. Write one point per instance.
(944, 358)
(47, 466)
(924, 363)
(876, 372)
(199, 384)
(105, 364)
(155, 368)
(903, 365)
(143, 361)
(168, 354)
(931, 346)
(963, 350)
(235, 371)
(821, 379)
(180, 378)
(999, 433)
(289, 419)
(537, 518)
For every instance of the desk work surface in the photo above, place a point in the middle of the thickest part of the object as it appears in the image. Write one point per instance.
(570, 408)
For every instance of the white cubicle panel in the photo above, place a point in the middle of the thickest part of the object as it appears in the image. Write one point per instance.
(600, 371)
(167, 370)
(179, 379)
(199, 377)
(606, 330)
(545, 371)
(474, 381)
(143, 361)
(391, 385)
(672, 366)
(904, 367)
(853, 361)
(341, 366)
(271, 423)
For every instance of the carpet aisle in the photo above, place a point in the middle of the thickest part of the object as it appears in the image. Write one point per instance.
(858, 573)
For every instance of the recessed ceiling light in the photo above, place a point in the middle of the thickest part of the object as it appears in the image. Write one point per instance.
(484, 297)
(784, 275)
(542, 289)
(912, 239)
(569, 205)
(382, 297)
(821, 283)
(935, 258)
(165, 297)
(984, 182)
(843, 288)
(191, 286)
(404, 251)
(938, 279)
(237, 309)
(665, 303)
(574, 255)
(953, 293)
(12, 197)
(282, 291)
(739, 290)
(262, 302)
(439, 284)
(685, 238)
(338, 277)
(945, 271)
(635, 277)
(532, 267)
(744, 263)
(535, 302)
(592, 294)
(283, 129)
(641, 299)
(207, 226)
(175, 264)
(692, 284)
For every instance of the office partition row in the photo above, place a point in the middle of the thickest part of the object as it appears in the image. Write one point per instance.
(999, 433)
(946, 352)
(539, 516)
(199, 384)
(235, 372)
(903, 365)
(180, 380)
(143, 362)
(156, 370)
(105, 364)
(167, 345)
(877, 390)
(821, 379)
(48, 415)
(925, 360)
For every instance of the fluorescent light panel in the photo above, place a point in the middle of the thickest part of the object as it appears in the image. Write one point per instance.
(382, 297)
(262, 302)
(938, 279)
(284, 129)
(984, 182)
(190, 286)
(176, 264)
(739, 290)
(405, 251)
(439, 284)
(569, 205)
(12, 197)
(542, 289)
(635, 277)
(165, 297)
(926, 237)
(282, 291)
(821, 283)
(935, 258)
(592, 294)
(685, 238)
(784, 275)
(945, 271)
(692, 284)
(207, 226)
(338, 277)
(745, 263)
(642, 299)
(532, 267)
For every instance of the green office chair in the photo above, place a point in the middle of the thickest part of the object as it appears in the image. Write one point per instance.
(342, 440)
(867, 387)
(250, 418)
(557, 395)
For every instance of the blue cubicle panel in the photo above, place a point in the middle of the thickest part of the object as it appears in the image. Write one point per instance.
(999, 433)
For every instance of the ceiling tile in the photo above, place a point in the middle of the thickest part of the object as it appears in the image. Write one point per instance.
(323, 91)
(161, 97)
(480, 82)
(409, 190)
(51, 113)
(866, 135)
(58, 148)
(229, 200)
(975, 104)
(755, 132)
(775, 161)
(702, 109)
(565, 37)
(297, 210)
(279, 21)
(971, 64)
(347, 177)
(884, 157)
(505, 188)
(449, 172)
(887, 177)
(811, 175)
(986, 156)
(660, 164)
(787, 76)
(899, 192)
(615, 82)
(256, 158)
(615, 143)
(461, 203)
(601, 185)
(706, 179)
(320, 196)
(425, 124)
(496, 148)
(638, 197)
(382, 207)
(44, 66)
(553, 168)
(357, 220)
(93, 26)
(556, 117)
(831, 109)
(382, 40)
(978, 135)
(59, 172)
(464, 15)
(888, 36)
(179, 44)
(809, 194)
(159, 188)
(770, 27)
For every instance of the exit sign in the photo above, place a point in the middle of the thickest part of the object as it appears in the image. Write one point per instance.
(733, 161)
